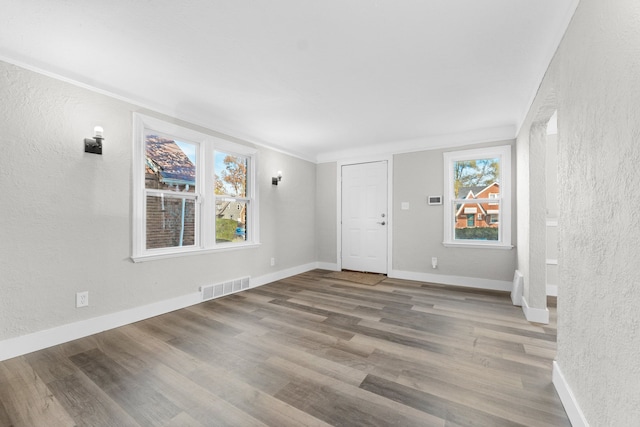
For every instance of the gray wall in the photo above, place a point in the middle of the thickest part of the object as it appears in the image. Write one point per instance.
(65, 216)
(418, 232)
(593, 82)
(326, 213)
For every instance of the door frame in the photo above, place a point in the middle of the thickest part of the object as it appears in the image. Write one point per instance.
(360, 160)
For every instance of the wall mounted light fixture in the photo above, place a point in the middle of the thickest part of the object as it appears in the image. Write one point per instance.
(276, 179)
(94, 145)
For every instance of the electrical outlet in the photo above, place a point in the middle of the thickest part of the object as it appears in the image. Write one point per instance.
(273, 262)
(82, 299)
(434, 262)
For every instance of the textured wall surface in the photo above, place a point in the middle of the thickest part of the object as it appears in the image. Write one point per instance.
(418, 232)
(531, 150)
(594, 78)
(537, 296)
(551, 176)
(65, 216)
(522, 207)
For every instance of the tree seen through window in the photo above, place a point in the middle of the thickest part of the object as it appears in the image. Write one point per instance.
(231, 197)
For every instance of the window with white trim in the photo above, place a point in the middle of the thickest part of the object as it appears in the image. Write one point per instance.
(231, 196)
(192, 192)
(478, 181)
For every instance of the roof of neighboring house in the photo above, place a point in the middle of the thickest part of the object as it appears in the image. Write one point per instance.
(463, 192)
(472, 193)
(487, 189)
(174, 166)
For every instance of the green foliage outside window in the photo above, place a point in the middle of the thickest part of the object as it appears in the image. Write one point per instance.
(225, 229)
(478, 233)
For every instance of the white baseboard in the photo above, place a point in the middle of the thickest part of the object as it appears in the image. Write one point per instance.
(470, 282)
(517, 288)
(328, 266)
(14, 347)
(552, 290)
(282, 274)
(536, 315)
(24, 344)
(568, 399)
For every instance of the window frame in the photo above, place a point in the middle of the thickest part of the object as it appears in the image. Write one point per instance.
(207, 145)
(503, 199)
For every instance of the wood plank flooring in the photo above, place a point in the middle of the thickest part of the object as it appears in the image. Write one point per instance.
(306, 351)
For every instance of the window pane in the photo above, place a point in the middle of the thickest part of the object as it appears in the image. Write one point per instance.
(230, 174)
(231, 220)
(476, 179)
(476, 221)
(473, 176)
(170, 221)
(170, 164)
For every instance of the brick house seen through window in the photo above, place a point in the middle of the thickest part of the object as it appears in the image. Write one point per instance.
(478, 214)
(170, 220)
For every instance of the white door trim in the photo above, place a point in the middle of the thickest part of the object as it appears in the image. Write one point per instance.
(339, 164)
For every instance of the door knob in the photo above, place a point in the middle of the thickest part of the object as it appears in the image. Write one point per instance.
(382, 223)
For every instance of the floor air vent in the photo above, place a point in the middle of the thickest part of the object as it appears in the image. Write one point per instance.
(207, 292)
(224, 288)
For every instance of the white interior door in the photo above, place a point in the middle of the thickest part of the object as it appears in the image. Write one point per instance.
(364, 217)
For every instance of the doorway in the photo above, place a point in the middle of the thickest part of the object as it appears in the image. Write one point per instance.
(364, 217)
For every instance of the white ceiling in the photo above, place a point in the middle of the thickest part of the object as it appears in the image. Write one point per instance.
(318, 79)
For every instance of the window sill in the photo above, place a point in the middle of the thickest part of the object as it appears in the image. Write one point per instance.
(194, 251)
(476, 245)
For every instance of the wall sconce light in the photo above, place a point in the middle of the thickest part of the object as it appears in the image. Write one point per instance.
(94, 145)
(276, 179)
